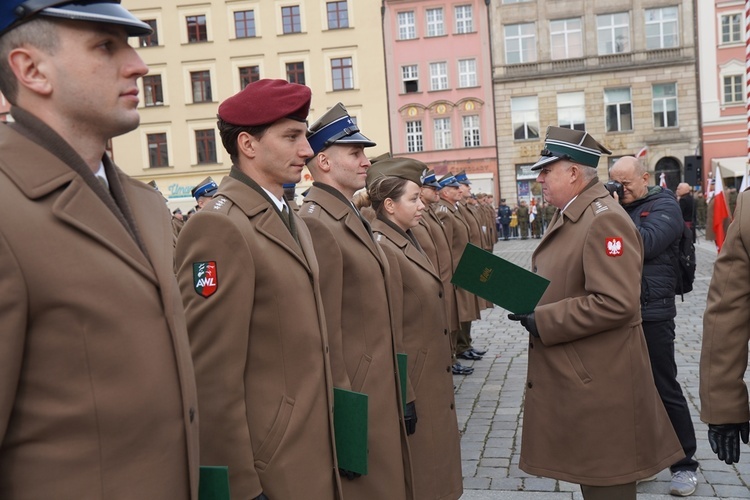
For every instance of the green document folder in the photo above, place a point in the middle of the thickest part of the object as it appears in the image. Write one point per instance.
(214, 483)
(350, 425)
(499, 281)
(401, 357)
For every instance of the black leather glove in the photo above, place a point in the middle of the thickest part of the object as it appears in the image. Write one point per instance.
(410, 418)
(349, 474)
(527, 321)
(725, 440)
(261, 497)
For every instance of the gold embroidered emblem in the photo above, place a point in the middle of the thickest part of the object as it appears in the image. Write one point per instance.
(486, 274)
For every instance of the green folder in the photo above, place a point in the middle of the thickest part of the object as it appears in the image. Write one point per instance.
(501, 282)
(401, 357)
(214, 483)
(350, 425)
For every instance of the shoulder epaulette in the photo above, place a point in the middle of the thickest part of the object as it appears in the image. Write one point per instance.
(220, 204)
(599, 207)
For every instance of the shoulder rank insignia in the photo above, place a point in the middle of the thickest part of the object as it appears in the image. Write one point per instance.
(614, 246)
(205, 279)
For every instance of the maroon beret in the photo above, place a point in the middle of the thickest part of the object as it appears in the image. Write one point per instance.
(266, 101)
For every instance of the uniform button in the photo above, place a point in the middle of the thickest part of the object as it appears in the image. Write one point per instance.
(529, 384)
(534, 269)
(445, 331)
(440, 294)
(531, 345)
(192, 414)
(448, 369)
(452, 406)
(326, 349)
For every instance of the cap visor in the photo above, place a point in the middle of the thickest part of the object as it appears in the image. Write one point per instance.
(356, 138)
(106, 12)
(544, 160)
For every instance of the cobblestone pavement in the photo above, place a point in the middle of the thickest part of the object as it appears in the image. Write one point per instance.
(489, 404)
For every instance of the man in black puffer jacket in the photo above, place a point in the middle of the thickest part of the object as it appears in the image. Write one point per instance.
(657, 216)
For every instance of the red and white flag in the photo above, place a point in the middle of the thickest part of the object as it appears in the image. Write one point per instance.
(721, 210)
(663, 180)
(642, 153)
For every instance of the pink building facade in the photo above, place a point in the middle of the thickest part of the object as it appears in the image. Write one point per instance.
(440, 95)
(721, 28)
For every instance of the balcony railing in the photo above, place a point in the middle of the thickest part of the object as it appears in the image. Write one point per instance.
(680, 55)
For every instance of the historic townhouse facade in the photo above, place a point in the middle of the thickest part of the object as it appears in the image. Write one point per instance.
(439, 86)
(624, 70)
(721, 25)
(202, 52)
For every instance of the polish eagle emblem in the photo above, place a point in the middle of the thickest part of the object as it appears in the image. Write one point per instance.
(614, 246)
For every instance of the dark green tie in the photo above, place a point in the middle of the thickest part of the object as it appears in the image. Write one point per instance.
(287, 218)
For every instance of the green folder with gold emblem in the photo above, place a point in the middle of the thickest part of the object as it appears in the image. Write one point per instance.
(350, 426)
(501, 282)
(213, 483)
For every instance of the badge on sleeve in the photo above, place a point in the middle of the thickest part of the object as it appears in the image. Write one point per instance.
(614, 246)
(205, 280)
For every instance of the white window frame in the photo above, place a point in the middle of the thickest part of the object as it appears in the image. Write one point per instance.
(520, 43)
(435, 20)
(144, 131)
(467, 73)
(563, 34)
(409, 73)
(471, 131)
(664, 22)
(571, 110)
(661, 105)
(464, 19)
(618, 104)
(735, 35)
(738, 78)
(407, 27)
(190, 12)
(608, 28)
(414, 138)
(442, 127)
(524, 111)
(439, 75)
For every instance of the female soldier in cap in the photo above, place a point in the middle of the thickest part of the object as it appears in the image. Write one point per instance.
(419, 311)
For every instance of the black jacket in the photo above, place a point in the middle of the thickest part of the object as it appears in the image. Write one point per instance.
(659, 220)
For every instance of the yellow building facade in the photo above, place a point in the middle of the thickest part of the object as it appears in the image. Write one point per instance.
(203, 52)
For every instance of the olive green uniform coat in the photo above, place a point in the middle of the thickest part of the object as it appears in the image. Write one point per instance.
(431, 236)
(726, 326)
(457, 230)
(418, 310)
(260, 347)
(363, 346)
(97, 390)
(592, 414)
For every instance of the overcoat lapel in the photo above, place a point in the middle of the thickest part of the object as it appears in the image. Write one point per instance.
(79, 206)
(271, 225)
(339, 209)
(253, 204)
(410, 251)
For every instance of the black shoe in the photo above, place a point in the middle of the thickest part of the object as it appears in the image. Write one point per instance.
(459, 369)
(478, 352)
(470, 355)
